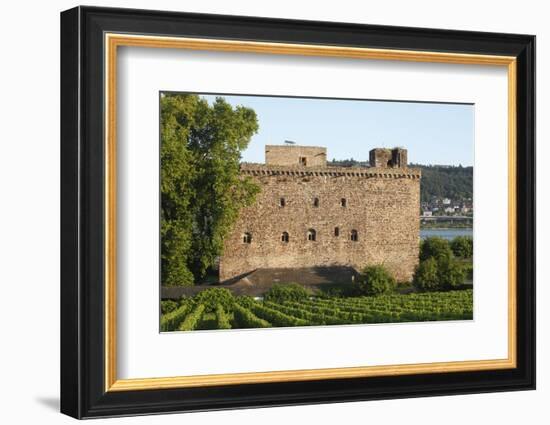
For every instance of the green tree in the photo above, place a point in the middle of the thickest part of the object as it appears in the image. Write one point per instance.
(450, 274)
(426, 276)
(438, 275)
(463, 246)
(435, 247)
(177, 193)
(375, 280)
(202, 190)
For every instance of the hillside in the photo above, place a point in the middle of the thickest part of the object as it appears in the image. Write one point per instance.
(456, 183)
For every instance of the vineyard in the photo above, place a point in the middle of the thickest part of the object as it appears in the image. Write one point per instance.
(218, 309)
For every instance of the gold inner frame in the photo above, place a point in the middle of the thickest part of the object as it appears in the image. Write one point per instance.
(113, 41)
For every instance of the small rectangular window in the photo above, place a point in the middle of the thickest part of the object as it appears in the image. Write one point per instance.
(336, 231)
(343, 202)
(302, 160)
(282, 202)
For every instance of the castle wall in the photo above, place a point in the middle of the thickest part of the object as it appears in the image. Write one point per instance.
(382, 205)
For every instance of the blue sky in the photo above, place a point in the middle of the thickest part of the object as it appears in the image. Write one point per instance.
(433, 133)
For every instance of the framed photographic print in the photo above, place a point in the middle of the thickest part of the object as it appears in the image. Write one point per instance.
(261, 212)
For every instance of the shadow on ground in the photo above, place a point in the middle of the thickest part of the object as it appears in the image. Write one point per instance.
(49, 402)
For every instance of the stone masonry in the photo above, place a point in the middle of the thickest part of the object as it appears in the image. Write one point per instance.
(308, 214)
(295, 155)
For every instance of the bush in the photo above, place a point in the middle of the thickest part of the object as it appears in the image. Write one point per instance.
(432, 275)
(463, 246)
(435, 247)
(280, 293)
(468, 270)
(166, 306)
(375, 280)
(425, 276)
(211, 297)
(450, 274)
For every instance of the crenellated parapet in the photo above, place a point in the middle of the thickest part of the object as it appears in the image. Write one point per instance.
(366, 172)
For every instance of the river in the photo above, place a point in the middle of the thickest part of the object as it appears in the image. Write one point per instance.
(446, 233)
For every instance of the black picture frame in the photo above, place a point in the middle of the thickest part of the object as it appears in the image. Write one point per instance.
(83, 392)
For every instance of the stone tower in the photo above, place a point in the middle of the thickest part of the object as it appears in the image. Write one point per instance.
(388, 158)
(296, 156)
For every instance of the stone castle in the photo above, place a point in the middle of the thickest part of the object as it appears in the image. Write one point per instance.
(309, 214)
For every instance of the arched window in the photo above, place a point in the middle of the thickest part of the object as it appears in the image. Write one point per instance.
(343, 202)
(282, 202)
(311, 235)
(316, 202)
(284, 237)
(353, 236)
(336, 231)
(247, 238)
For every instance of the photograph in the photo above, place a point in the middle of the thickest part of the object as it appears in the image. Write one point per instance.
(280, 211)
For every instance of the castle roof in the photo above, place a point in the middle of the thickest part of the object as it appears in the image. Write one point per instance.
(368, 172)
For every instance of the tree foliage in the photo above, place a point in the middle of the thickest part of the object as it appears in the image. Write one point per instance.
(436, 247)
(375, 280)
(202, 191)
(438, 269)
(450, 273)
(446, 182)
(463, 246)
(425, 276)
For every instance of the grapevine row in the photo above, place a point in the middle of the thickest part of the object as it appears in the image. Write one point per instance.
(249, 313)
